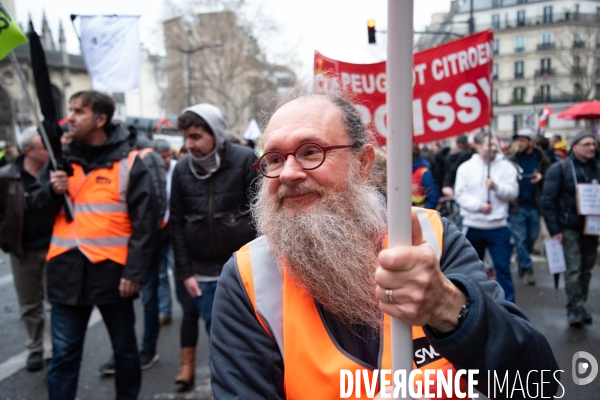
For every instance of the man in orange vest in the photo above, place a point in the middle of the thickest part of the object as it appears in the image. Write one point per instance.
(102, 255)
(313, 296)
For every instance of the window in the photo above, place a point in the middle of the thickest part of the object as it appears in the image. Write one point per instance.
(495, 95)
(577, 91)
(519, 94)
(545, 64)
(517, 121)
(496, 46)
(597, 91)
(548, 14)
(119, 98)
(577, 61)
(547, 37)
(519, 44)
(521, 18)
(494, 122)
(577, 41)
(545, 93)
(519, 69)
(598, 40)
(495, 71)
(495, 21)
(597, 66)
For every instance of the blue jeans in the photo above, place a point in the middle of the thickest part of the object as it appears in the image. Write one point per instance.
(525, 226)
(498, 242)
(204, 303)
(69, 324)
(164, 288)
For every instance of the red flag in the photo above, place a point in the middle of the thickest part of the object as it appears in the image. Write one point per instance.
(544, 115)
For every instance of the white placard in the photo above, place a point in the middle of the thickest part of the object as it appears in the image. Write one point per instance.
(592, 225)
(588, 199)
(555, 256)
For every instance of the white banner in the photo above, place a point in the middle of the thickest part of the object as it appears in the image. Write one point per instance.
(111, 48)
(252, 131)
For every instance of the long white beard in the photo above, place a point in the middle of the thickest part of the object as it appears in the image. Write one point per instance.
(331, 250)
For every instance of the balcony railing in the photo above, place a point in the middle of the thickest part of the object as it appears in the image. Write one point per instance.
(518, 75)
(562, 98)
(579, 44)
(544, 72)
(546, 46)
(519, 49)
(504, 24)
(579, 70)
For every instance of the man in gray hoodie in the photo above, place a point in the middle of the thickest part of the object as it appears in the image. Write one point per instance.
(209, 215)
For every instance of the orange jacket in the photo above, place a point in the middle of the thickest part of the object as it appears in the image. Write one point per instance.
(289, 315)
(101, 226)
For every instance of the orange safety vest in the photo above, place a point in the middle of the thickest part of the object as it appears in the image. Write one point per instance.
(418, 194)
(101, 226)
(289, 315)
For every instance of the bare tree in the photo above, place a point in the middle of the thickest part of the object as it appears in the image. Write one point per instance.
(579, 55)
(214, 56)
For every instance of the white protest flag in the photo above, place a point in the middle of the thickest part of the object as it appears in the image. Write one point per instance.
(252, 131)
(111, 48)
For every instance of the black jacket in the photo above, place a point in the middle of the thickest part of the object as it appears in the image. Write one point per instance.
(542, 167)
(72, 278)
(453, 161)
(246, 362)
(559, 205)
(209, 218)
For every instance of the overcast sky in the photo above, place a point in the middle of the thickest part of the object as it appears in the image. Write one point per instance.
(336, 28)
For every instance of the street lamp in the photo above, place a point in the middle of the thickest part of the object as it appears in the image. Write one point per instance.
(189, 53)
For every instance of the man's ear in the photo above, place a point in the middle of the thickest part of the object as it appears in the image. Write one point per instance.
(367, 158)
(100, 121)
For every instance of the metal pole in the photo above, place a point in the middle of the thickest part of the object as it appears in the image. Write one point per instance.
(399, 145)
(15, 63)
(471, 20)
(189, 77)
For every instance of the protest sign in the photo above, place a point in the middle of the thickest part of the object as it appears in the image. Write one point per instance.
(555, 256)
(592, 225)
(451, 88)
(588, 199)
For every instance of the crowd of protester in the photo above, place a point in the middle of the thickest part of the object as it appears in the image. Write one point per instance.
(144, 209)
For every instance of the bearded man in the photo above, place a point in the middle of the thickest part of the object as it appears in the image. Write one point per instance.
(314, 294)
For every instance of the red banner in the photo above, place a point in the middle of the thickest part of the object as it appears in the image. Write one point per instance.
(452, 90)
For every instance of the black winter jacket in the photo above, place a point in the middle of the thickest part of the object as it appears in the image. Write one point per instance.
(72, 278)
(559, 205)
(542, 167)
(209, 218)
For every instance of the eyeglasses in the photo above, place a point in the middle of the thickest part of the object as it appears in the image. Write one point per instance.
(309, 155)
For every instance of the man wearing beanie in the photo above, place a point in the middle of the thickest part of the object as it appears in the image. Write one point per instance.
(524, 212)
(209, 216)
(559, 207)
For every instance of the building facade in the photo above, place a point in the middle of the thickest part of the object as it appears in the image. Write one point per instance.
(546, 52)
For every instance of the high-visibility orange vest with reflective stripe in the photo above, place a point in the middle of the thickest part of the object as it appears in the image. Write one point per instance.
(101, 226)
(418, 194)
(289, 315)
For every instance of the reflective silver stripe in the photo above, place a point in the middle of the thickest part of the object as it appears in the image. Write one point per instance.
(268, 288)
(268, 283)
(62, 242)
(428, 233)
(124, 177)
(101, 208)
(105, 241)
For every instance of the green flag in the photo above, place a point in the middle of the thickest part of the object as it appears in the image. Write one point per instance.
(11, 35)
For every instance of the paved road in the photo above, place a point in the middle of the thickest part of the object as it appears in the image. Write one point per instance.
(542, 303)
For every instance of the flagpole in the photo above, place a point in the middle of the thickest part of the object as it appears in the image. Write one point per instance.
(15, 63)
(399, 148)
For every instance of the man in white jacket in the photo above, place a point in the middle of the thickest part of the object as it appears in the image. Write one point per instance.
(484, 206)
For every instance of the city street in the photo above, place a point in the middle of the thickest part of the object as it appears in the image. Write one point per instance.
(542, 303)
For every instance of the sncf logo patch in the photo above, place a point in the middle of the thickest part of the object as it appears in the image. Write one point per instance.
(424, 352)
(101, 180)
